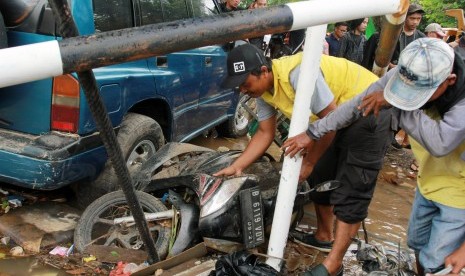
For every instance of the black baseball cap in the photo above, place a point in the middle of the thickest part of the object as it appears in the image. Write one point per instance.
(241, 61)
(415, 8)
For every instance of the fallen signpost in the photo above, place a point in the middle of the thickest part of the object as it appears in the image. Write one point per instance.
(53, 58)
(78, 54)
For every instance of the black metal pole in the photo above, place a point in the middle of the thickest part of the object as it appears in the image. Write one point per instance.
(68, 28)
(101, 49)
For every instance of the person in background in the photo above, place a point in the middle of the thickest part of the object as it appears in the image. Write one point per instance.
(353, 42)
(258, 4)
(334, 38)
(427, 94)
(258, 41)
(370, 50)
(434, 30)
(409, 32)
(230, 5)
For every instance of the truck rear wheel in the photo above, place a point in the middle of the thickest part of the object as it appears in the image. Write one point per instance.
(238, 125)
(139, 138)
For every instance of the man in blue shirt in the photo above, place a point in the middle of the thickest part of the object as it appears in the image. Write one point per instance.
(340, 28)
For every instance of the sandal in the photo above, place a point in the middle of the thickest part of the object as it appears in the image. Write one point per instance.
(309, 240)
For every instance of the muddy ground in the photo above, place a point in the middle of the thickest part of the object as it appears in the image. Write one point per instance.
(386, 225)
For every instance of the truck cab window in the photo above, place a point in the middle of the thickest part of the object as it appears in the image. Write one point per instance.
(151, 11)
(112, 15)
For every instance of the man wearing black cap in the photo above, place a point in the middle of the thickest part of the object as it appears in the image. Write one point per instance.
(409, 32)
(274, 85)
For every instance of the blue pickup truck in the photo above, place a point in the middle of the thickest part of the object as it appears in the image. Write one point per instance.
(48, 138)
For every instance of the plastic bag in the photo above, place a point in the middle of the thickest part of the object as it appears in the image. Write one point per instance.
(242, 263)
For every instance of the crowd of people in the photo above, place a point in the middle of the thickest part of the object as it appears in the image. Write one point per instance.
(423, 93)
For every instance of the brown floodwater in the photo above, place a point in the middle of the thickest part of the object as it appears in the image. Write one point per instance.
(386, 223)
(22, 266)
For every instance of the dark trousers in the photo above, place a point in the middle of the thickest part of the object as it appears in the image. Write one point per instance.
(354, 158)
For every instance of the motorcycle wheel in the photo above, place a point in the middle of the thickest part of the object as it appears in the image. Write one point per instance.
(96, 224)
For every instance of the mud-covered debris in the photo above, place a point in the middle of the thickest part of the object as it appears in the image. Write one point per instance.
(223, 149)
(89, 259)
(17, 251)
(390, 177)
(113, 255)
(60, 251)
(378, 260)
(5, 240)
(242, 263)
(123, 268)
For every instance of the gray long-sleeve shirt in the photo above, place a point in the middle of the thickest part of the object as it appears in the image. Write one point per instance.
(437, 137)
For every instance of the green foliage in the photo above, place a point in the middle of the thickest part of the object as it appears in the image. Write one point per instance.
(435, 11)
(246, 3)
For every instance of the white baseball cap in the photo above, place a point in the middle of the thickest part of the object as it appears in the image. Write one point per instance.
(436, 28)
(423, 65)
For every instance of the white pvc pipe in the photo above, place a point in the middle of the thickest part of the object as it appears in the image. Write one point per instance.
(43, 60)
(291, 167)
(30, 62)
(337, 10)
(318, 12)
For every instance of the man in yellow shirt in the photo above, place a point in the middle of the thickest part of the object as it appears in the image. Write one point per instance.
(355, 163)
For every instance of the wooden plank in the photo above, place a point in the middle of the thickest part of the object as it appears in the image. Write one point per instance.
(197, 251)
(109, 254)
(192, 267)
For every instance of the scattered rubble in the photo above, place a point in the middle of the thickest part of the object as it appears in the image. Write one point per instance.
(52, 247)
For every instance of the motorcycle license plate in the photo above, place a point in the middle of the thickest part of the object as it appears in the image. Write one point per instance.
(252, 217)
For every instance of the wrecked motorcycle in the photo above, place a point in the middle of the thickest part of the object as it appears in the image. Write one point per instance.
(183, 203)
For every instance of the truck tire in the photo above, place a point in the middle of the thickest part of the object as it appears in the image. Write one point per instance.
(95, 225)
(3, 38)
(238, 125)
(139, 138)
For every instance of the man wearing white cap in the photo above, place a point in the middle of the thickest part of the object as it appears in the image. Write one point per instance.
(434, 30)
(427, 94)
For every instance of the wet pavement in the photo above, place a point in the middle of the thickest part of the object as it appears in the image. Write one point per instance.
(386, 223)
